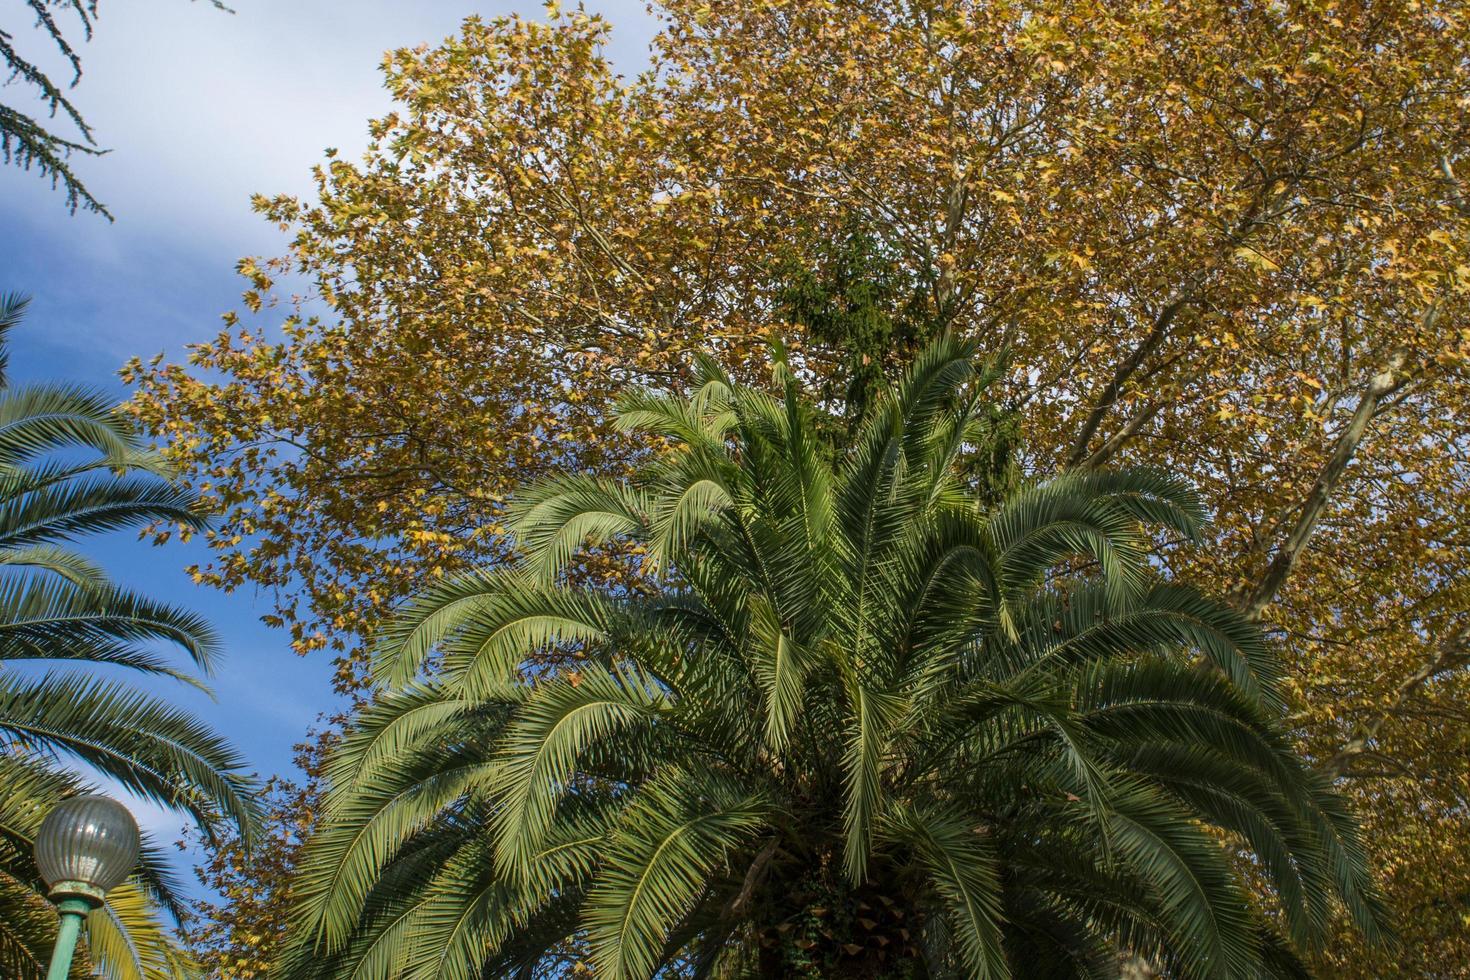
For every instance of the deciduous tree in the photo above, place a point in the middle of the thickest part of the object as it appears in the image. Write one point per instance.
(1228, 238)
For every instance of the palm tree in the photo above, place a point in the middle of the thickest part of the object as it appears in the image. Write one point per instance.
(865, 727)
(71, 465)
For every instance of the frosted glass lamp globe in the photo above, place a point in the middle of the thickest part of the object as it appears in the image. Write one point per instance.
(86, 847)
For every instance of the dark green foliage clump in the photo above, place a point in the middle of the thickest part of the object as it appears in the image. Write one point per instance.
(862, 309)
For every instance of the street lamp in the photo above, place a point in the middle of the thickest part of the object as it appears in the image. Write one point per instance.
(85, 848)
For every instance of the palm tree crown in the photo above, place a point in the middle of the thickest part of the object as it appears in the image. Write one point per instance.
(71, 465)
(865, 726)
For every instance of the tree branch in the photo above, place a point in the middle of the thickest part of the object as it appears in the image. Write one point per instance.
(1452, 652)
(1120, 377)
(1118, 439)
(1384, 383)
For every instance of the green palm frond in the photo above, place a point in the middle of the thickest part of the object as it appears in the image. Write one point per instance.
(126, 940)
(671, 838)
(1199, 901)
(39, 419)
(536, 760)
(1088, 624)
(51, 619)
(1041, 528)
(72, 465)
(395, 726)
(553, 520)
(32, 786)
(863, 717)
(700, 422)
(50, 504)
(780, 664)
(966, 874)
(450, 933)
(863, 763)
(151, 747)
(1156, 497)
(27, 930)
(365, 832)
(12, 310)
(697, 498)
(481, 627)
(66, 564)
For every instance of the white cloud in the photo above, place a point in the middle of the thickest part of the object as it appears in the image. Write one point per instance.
(200, 109)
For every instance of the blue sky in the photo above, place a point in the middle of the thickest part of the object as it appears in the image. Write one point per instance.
(199, 110)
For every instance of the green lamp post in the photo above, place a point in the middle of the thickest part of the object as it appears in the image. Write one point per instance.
(85, 848)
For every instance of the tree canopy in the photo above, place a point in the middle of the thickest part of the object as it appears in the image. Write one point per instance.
(1229, 239)
(865, 726)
